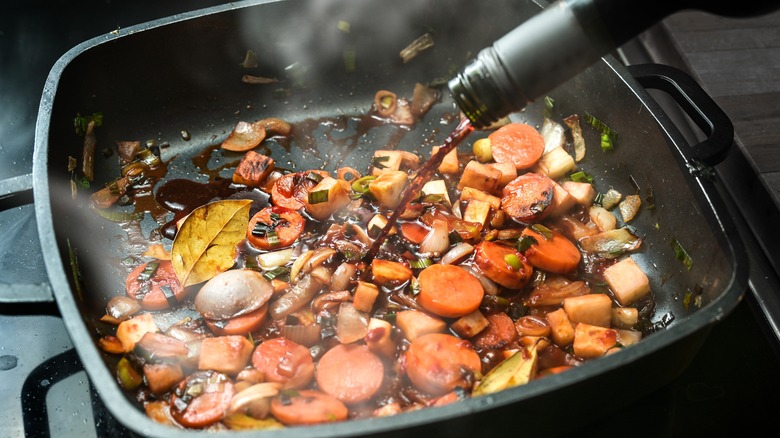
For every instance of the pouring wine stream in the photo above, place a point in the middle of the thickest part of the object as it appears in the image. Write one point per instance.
(452, 141)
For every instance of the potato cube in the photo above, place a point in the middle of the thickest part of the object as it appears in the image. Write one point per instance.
(561, 328)
(450, 163)
(583, 192)
(385, 271)
(592, 341)
(226, 354)
(477, 211)
(379, 337)
(131, 331)
(253, 169)
(437, 187)
(376, 224)
(508, 172)
(593, 309)
(479, 176)
(365, 296)
(389, 161)
(337, 197)
(388, 187)
(555, 163)
(468, 326)
(414, 324)
(625, 317)
(628, 337)
(561, 203)
(469, 194)
(627, 281)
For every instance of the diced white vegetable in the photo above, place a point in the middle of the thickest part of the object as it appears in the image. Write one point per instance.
(583, 192)
(449, 165)
(593, 309)
(414, 324)
(562, 201)
(627, 281)
(437, 187)
(592, 341)
(603, 218)
(625, 317)
(561, 328)
(470, 193)
(508, 172)
(479, 176)
(553, 134)
(555, 163)
(467, 326)
(477, 211)
(338, 197)
(388, 187)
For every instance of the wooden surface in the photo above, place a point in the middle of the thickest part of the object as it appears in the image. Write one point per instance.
(738, 62)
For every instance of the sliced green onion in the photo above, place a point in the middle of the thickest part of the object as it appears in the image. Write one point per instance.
(119, 216)
(549, 104)
(525, 242)
(606, 142)
(129, 378)
(148, 157)
(581, 177)
(360, 185)
(343, 26)
(148, 272)
(601, 126)
(378, 162)
(80, 122)
(681, 254)
(272, 238)
(350, 60)
(513, 261)
(318, 197)
(314, 176)
(420, 263)
(276, 273)
(455, 237)
(544, 231)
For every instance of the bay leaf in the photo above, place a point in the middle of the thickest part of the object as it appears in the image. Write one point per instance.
(206, 243)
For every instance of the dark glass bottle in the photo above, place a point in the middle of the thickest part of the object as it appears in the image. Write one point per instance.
(561, 41)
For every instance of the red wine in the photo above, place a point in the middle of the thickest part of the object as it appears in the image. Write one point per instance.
(452, 141)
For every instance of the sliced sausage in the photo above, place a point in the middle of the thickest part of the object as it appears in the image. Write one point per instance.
(499, 333)
(350, 372)
(307, 407)
(517, 143)
(284, 361)
(155, 285)
(274, 227)
(438, 363)
(206, 405)
(526, 198)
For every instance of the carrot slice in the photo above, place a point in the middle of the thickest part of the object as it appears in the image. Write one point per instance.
(527, 197)
(240, 325)
(556, 254)
(291, 190)
(438, 363)
(274, 227)
(449, 291)
(499, 333)
(284, 361)
(350, 372)
(517, 143)
(491, 259)
(307, 407)
(158, 292)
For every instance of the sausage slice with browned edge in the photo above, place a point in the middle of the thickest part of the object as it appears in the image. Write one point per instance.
(202, 399)
(526, 198)
(438, 363)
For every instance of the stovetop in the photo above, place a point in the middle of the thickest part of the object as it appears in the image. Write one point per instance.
(47, 393)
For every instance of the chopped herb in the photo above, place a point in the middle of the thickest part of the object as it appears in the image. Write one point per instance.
(650, 204)
(581, 177)
(350, 60)
(378, 162)
(455, 237)
(513, 262)
(343, 26)
(680, 254)
(525, 242)
(276, 273)
(314, 176)
(420, 263)
(272, 238)
(606, 142)
(80, 122)
(148, 272)
(549, 104)
(360, 186)
(318, 197)
(544, 231)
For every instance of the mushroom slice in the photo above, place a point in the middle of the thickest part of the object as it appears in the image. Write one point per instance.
(233, 293)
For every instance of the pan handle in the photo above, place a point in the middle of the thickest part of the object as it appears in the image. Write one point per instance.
(14, 192)
(696, 103)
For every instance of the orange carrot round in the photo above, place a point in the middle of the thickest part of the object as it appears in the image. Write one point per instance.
(449, 291)
(240, 325)
(552, 254)
(517, 143)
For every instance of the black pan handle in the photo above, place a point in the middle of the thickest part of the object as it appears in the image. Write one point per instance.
(696, 103)
(14, 192)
